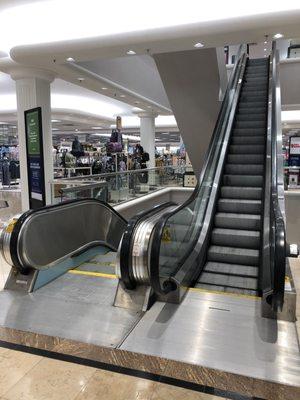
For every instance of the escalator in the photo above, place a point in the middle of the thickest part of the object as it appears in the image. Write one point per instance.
(233, 255)
(230, 235)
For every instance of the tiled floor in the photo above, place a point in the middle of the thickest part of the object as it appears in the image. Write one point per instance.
(25, 376)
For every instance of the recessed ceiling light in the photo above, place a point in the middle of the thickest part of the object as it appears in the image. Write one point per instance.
(76, 130)
(265, 49)
(55, 129)
(278, 36)
(265, 42)
(104, 88)
(96, 127)
(131, 52)
(70, 59)
(80, 79)
(122, 95)
(55, 120)
(198, 45)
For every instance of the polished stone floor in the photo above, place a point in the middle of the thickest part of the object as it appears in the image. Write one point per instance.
(26, 376)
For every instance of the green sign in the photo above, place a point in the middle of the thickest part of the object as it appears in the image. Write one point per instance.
(33, 134)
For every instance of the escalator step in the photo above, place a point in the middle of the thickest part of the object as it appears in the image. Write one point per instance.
(239, 206)
(236, 237)
(237, 192)
(249, 132)
(247, 149)
(245, 158)
(243, 180)
(253, 98)
(238, 221)
(244, 105)
(229, 281)
(216, 288)
(250, 117)
(233, 255)
(236, 140)
(231, 269)
(250, 124)
(244, 169)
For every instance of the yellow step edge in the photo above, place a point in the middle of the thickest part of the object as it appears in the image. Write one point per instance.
(89, 273)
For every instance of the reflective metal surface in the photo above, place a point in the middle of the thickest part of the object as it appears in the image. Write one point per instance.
(50, 235)
(224, 332)
(73, 306)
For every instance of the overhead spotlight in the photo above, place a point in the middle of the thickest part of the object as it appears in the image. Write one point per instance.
(130, 52)
(278, 36)
(70, 59)
(80, 79)
(122, 95)
(104, 88)
(265, 49)
(198, 45)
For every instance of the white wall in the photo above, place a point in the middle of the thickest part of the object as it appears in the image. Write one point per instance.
(192, 82)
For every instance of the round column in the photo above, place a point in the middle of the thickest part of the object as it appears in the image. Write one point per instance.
(147, 131)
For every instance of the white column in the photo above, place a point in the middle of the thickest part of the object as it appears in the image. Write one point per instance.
(33, 90)
(147, 131)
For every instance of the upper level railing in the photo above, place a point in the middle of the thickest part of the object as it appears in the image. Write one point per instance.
(117, 187)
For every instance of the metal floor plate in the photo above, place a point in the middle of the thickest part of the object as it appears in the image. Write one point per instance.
(73, 306)
(220, 331)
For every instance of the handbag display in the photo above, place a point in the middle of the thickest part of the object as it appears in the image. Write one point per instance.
(114, 147)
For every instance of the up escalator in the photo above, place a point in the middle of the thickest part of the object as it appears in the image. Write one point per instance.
(233, 256)
(229, 236)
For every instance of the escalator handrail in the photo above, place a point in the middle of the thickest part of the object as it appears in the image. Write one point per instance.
(125, 256)
(26, 215)
(159, 228)
(277, 222)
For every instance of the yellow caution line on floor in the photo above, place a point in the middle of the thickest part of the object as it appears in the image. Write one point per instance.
(245, 296)
(89, 273)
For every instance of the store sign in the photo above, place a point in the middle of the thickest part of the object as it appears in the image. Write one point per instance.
(295, 145)
(35, 157)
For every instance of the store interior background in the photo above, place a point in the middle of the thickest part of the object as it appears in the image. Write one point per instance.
(90, 115)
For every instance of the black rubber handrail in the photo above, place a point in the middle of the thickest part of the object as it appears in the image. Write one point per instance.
(168, 285)
(126, 245)
(13, 247)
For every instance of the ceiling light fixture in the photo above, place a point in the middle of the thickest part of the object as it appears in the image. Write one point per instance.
(70, 59)
(265, 49)
(80, 79)
(122, 95)
(55, 120)
(96, 127)
(198, 45)
(104, 88)
(278, 36)
(130, 52)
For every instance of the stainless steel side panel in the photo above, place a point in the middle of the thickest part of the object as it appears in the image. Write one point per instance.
(50, 235)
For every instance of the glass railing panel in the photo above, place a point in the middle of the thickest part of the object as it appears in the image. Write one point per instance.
(116, 188)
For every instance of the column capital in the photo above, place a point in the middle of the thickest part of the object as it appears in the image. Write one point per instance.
(146, 114)
(18, 71)
(21, 72)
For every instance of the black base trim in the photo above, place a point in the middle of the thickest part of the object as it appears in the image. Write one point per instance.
(127, 371)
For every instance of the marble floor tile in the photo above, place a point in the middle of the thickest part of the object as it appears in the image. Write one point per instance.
(3, 350)
(113, 386)
(168, 392)
(13, 366)
(51, 380)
